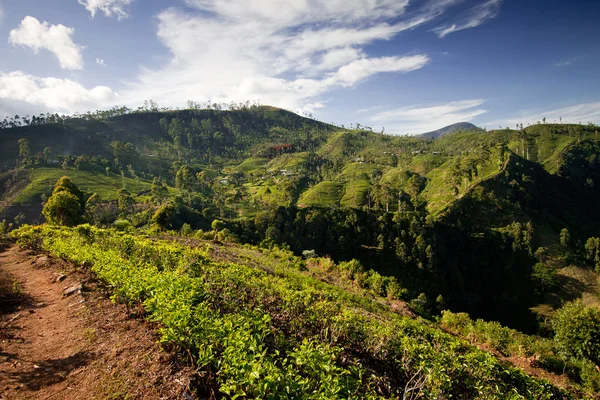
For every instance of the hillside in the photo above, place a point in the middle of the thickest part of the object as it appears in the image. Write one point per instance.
(502, 225)
(258, 321)
(388, 201)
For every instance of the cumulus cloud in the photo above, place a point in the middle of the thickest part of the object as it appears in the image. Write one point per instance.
(472, 18)
(572, 114)
(52, 94)
(281, 52)
(416, 120)
(108, 7)
(287, 53)
(57, 39)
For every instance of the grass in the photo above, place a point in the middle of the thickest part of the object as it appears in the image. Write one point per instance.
(396, 177)
(425, 163)
(357, 170)
(326, 194)
(293, 161)
(251, 164)
(355, 193)
(42, 181)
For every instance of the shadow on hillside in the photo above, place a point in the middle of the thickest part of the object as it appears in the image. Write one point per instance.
(49, 372)
(570, 289)
(11, 296)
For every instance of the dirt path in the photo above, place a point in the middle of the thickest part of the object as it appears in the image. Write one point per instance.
(54, 346)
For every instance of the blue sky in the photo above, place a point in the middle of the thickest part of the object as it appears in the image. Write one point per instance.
(407, 65)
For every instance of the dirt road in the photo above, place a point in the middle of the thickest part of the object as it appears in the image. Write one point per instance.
(59, 342)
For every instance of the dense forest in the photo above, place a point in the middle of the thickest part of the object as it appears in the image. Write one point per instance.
(491, 224)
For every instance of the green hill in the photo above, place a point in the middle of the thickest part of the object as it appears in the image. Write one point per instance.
(502, 225)
(389, 201)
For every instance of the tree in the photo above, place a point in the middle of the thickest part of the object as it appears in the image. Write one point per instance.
(66, 205)
(565, 238)
(125, 202)
(185, 179)
(543, 277)
(217, 225)
(47, 153)
(65, 184)
(158, 190)
(24, 149)
(592, 248)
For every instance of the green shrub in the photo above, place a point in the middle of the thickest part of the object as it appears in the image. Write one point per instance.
(122, 225)
(577, 331)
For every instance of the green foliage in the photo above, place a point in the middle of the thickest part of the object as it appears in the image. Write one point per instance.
(592, 248)
(544, 277)
(24, 149)
(278, 333)
(186, 229)
(577, 331)
(172, 215)
(65, 184)
(158, 190)
(66, 205)
(122, 225)
(126, 203)
(565, 238)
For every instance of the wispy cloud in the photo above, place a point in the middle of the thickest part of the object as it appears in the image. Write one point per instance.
(108, 7)
(100, 61)
(573, 114)
(567, 62)
(474, 17)
(281, 52)
(369, 109)
(416, 120)
(57, 39)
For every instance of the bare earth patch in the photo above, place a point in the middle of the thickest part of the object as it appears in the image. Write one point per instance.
(80, 345)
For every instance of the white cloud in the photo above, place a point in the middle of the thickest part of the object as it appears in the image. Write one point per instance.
(573, 114)
(55, 38)
(100, 61)
(52, 94)
(568, 62)
(369, 109)
(108, 7)
(416, 120)
(473, 18)
(284, 13)
(281, 52)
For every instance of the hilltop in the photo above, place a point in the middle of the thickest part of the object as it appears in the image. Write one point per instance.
(458, 127)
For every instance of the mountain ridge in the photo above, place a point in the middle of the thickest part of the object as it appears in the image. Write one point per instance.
(447, 130)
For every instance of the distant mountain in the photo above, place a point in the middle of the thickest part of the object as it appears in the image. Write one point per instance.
(459, 127)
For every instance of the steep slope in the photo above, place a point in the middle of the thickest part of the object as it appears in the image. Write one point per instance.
(265, 328)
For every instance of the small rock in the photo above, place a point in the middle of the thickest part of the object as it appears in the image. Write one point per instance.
(41, 261)
(60, 278)
(72, 290)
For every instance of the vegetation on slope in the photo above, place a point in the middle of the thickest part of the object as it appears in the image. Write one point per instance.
(279, 333)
